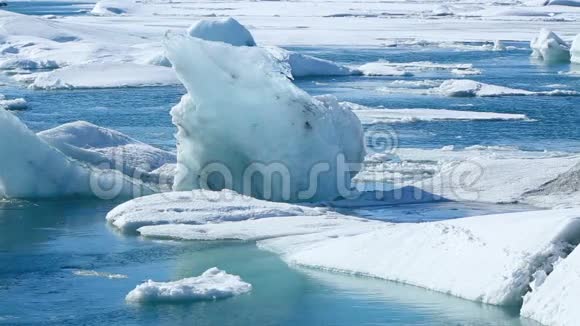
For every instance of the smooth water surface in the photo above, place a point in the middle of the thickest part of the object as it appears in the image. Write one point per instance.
(43, 245)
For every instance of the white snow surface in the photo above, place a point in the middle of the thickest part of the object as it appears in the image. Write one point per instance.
(105, 75)
(31, 168)
(555, 301)
(213, 284)
(295, 130)
(369, 115)
(199, 207)
(497, 260)
(98, 146)
(471, 88)
(227, 30)
(131, 32)
(550, 47)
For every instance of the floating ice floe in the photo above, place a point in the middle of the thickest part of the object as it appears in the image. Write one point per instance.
(554, 299)
(199, 207)
(14, 104)
(484, 258)
(91, 273)
(213, 284)
(471, 88)
(386, 68)
(575, 50)
(369, 115)
(480, 173)
(295, 130)
(31, 168)
(550, 47)
(105, 75)
(497, 261)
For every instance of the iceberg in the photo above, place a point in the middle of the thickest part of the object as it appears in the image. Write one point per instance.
(213, 284)
(267, 138)
(554, 301)
(575, 50)
(31, 168)
(227, 30)
(102, 147)
(301, 65)
(550, 47)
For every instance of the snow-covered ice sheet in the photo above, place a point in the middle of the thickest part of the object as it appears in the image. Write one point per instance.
(554, 300)
(213, 284)
(376, 115)
(31, 168)
(479, 173)
(295, 131)
(105, 75)
(470, 88)
(463, 88)
(482, 258)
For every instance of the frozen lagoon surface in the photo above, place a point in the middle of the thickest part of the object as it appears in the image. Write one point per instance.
(63, 265)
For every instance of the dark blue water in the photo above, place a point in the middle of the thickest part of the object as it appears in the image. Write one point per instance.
(59, 8)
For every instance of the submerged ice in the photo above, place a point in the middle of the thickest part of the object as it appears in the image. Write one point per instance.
(244, 126)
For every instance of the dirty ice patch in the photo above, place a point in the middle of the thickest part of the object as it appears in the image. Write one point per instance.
(212, 285)
(105, 75)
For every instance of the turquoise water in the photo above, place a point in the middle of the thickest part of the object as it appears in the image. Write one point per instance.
(42, 244)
